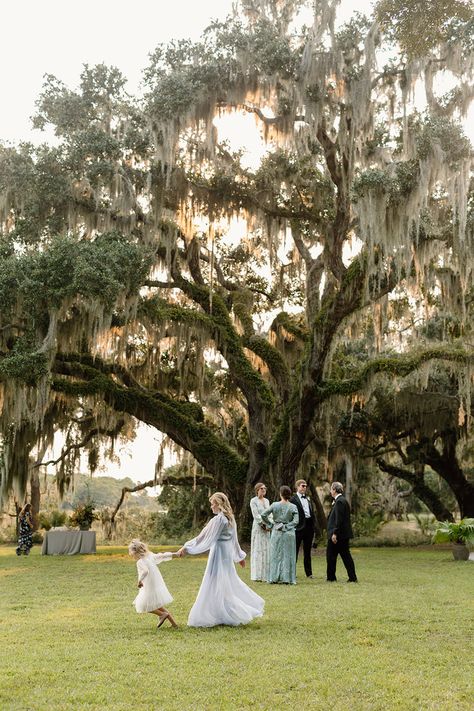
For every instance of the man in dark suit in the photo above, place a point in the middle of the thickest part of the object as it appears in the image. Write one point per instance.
(339, 534)
(305, 528)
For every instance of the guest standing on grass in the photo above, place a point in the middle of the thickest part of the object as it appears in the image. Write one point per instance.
(339, 534)
(223, 598)
(282, 544)
(25, 532)
(154, 594)
(260, 541)
(306, 525)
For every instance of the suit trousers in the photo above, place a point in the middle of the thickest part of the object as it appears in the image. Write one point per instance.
(306, 536)
(332, 551)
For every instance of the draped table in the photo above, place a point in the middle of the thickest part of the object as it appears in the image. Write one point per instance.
(68, 542)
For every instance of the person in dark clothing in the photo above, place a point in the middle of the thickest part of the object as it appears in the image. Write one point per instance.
(339, 534)
(306, 524)
(25, 535)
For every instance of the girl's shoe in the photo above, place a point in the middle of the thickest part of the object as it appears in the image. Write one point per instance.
(162, 619)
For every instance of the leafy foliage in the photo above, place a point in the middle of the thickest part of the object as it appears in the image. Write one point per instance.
(455, 532)
(417, 31)
(187, 510)
(151, 273)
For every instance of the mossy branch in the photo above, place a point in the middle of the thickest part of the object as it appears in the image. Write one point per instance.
(26, 367)
(160, 311)
(169, 416)
(420, 489)
(399, 366)
(229, 342)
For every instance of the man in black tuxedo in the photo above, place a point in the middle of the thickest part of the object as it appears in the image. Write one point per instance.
(305, 527)
(339, 534)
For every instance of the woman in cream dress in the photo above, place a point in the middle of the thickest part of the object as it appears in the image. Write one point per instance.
(260, 541)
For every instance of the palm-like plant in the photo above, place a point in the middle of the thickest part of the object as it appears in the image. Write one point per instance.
(461, 532)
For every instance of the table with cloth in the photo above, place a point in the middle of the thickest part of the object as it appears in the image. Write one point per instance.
(68, 542)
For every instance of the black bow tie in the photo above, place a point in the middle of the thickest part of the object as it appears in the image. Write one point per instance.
(303, 496)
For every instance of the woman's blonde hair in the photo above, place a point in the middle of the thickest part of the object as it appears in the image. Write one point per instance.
(138, 548)
(224, 505)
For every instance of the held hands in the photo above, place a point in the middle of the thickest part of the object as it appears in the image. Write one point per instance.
(181, 553)
(334, 538)
(140, 584)
(242, 563)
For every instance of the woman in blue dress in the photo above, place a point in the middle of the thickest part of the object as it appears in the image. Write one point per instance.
(223, 598)
(282, 544)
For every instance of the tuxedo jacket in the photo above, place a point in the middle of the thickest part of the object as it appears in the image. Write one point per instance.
(295, 499)
(339, 521)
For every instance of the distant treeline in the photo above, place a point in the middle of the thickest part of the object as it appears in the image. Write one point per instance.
(101, 490)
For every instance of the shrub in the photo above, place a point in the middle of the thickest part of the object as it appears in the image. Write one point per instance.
(44, 521)
(8, 534)
(51, 519)
(367, 524)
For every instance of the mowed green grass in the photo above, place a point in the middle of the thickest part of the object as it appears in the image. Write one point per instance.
(400, 639)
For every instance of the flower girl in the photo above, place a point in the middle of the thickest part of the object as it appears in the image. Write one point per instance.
(154, 594)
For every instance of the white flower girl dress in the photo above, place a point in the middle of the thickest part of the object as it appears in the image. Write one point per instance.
(154, 593)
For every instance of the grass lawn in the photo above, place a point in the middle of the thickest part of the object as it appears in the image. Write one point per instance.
(400, 639)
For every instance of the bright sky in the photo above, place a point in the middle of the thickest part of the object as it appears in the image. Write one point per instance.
(58, 37)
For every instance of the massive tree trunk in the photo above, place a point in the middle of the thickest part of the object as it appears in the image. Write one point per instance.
(447, 466)
(35, 499)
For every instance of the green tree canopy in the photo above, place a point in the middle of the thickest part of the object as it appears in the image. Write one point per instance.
(125, 294)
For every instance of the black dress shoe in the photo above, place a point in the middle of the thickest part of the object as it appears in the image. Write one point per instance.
(331, 580)
(352, 581)
(310, 577)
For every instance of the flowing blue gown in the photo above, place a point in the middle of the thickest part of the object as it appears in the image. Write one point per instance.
(282, 543)
(223, 598)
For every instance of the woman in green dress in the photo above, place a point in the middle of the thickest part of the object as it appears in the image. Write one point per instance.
(282, 544)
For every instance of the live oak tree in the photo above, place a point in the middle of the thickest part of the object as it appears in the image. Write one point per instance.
(418, 433)
(150, 273)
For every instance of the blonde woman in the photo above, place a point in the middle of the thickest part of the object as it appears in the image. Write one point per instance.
(260, 543)
(223, 599)
(154, 594)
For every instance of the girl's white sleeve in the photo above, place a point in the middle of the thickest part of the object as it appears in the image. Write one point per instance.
(209, 535)
(162, 557)
(142, 570)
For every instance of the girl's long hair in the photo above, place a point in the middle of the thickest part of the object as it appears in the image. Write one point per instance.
(224, 505)
(138, 548)
(25, 509)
